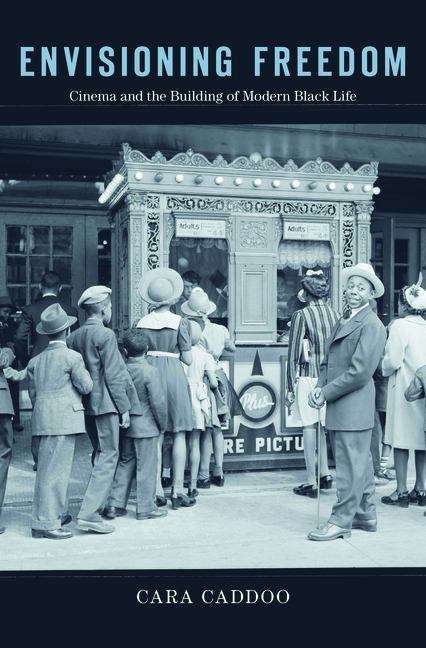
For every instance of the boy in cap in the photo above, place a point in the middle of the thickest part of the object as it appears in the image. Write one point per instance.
(57, 378)
(139, 447)
(112, 398)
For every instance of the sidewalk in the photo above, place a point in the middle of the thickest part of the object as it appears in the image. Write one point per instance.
(255, 521)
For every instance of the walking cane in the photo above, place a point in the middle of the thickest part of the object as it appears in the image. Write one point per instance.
(318, 466)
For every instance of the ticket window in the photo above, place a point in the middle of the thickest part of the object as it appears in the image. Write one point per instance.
(294, 259)
(203, 262)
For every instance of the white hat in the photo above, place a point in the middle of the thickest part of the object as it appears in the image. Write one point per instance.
(94, 295)
(366, 271)
(301, 296)
(415, 295)
(161, 286)
(198, 304)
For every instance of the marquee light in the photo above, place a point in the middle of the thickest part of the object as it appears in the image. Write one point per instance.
(349, 186)
(117, 180)
(198, 179)
(367, 188)
(138, 175)
(158, 177)
(376, 191)
(218, 180)
(257, 182)
(276, 183)
(313, 185)
(295, 184)
(179, 177)
(238, 182)
(331, 186)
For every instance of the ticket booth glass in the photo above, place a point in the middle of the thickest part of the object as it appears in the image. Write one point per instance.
(203, 262)
(294, 259)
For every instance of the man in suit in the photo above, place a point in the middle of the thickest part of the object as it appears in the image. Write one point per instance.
(8, 329)
(57, 377)
(50, 288)
(112, 398)
(353, 353)
(6, 433)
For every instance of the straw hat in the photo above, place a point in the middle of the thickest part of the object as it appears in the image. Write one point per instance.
(54, 320)
(198, 304)
(415, 295)
(161, 286)
(366, 271)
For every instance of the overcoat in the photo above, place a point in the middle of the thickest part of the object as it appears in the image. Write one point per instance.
(353, 352)
(6, 359)
(113, 390)
(57, 378)
(405, 352)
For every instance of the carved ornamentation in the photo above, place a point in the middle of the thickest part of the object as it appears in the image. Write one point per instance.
(153, 231)
(254, 162)
(135, 201)
(348, 243)
(253, 234)
(278, 229)
(348, 210)
(251, 206)
(170, 228)
(363, 211)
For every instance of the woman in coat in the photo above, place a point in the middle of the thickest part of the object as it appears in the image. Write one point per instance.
(405, 352)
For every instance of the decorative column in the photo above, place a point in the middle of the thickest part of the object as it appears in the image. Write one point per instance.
(363, 210)
(137, 237)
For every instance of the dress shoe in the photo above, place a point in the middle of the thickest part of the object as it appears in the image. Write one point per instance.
(2, 529)
(365, 525)
(182, 501)
(307, 490)
(329, 532)
(203, 483)
(112, 512)
(96, 527)
(161, 501)
(166, 482)
(57, 534)
(417, 497)
(326, 482)
(156, 513)
(35, 467)
(218, 480)
(397, 499)
(192, 492)
(67, 519)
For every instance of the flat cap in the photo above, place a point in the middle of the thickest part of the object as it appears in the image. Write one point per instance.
(94, 295)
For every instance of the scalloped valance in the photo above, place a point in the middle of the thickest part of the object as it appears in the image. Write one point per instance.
(306, 254)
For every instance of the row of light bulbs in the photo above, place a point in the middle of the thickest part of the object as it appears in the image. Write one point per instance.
(257, 182)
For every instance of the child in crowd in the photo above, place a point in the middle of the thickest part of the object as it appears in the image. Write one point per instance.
(216, 339)
(138, 453)
(202, 365)
(57, 378)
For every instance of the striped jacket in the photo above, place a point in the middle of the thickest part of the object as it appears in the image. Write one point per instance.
(314, 322)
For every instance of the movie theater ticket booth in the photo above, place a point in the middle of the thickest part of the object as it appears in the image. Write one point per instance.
(246, 231)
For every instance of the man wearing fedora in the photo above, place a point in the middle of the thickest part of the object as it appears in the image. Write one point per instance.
(112, 398)
(6, 433)
(57, 378)
(50, 287)
(353, 352)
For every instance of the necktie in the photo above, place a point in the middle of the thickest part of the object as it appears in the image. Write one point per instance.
(347, 311)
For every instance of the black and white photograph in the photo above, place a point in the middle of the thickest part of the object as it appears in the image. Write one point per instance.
(213, 344)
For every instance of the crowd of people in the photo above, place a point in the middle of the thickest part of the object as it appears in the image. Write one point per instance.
(337, 371)
(154, 408)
